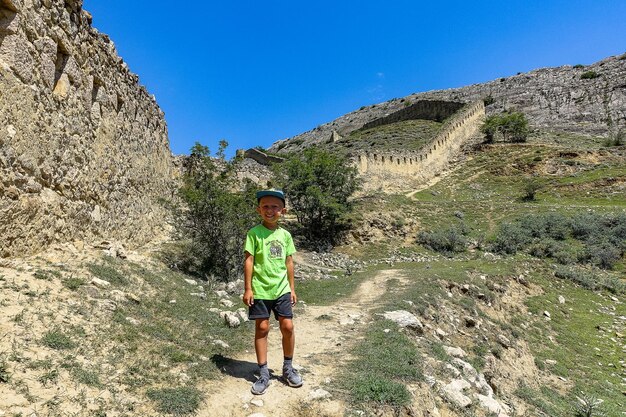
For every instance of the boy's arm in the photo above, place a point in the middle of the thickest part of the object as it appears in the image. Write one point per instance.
(290, 277)
(248, 265)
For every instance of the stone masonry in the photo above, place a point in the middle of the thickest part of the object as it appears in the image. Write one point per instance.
(389, 169)
(84, 152)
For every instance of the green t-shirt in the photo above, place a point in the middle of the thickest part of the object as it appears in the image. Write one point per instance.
(270, 248)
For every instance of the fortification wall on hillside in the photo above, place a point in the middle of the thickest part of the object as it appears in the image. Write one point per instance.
(436, 110)
(396, 168)
(84, 152)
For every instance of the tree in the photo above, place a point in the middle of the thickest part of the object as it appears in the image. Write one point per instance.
(318, 186)
(512, 127)
(215, 218)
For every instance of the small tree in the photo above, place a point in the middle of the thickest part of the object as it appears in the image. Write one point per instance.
(512, 127)
(318, 185)
(215, 218)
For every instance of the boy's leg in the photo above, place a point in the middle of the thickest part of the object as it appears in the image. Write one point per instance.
(289, 337)
(290, 375)
(261, 331)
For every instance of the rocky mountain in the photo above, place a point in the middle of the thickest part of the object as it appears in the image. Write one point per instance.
(587, 99)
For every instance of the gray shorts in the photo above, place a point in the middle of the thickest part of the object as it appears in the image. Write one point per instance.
(281, 307)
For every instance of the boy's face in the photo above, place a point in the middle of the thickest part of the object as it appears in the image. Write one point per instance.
(270, 208)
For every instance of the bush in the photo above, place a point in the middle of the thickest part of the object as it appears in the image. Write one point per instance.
(589, 75)
(586, 238)
(578, 66)
(318, 185)
(215, 218)
(446, 241)
(531, 187)
(511, 127)
(510, 238)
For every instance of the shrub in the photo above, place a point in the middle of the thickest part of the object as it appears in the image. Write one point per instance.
(603, 254)
(510, 238)
(511, 127)
(215, 218)
(318, 185)
(589, 75)
(531, 187)
(445, 241)
(578, 66)
(489, 100)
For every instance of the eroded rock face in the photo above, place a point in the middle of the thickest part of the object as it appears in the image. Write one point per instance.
(84, 152)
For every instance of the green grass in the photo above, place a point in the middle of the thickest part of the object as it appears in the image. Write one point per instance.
(109, 271)
(377, 376)
(179, 401)
(327, 291)
(583, 329)
(409, 135)
(56, 339)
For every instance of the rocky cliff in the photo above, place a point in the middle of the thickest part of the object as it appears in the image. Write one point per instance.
(584, 99)
(84, 151)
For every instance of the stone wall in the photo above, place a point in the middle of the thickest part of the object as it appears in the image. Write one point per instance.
(391, 169)
(261, 157)
(84, 152)
(436, 110)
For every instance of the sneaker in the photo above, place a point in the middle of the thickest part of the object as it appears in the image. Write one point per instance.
(260, 386)
(292, 377)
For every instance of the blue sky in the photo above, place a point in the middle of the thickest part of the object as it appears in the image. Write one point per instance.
(254, 72)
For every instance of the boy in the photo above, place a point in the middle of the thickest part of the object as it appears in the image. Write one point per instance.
(269, 285)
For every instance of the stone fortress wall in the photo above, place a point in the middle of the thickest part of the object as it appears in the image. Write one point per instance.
(392, 169)
(84, 151)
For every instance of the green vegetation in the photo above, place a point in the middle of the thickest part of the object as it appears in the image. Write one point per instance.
(56, 339)
(447, 241)
(409, 135)
(589, 75)
(215, 219)
(318, 185)
(176, 401)
(377, 376)
(510, 127)
(5, 376)
(599, 240)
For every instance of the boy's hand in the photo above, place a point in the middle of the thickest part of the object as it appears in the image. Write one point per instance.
(248, 298)
(294, 298)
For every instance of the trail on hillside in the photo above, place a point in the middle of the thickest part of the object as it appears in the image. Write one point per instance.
(323, 337)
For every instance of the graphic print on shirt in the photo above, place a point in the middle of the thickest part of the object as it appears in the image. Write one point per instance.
(276, 249)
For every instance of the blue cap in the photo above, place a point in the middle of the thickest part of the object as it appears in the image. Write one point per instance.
(270, 193)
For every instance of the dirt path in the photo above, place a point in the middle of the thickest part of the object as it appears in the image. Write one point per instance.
(321, 347)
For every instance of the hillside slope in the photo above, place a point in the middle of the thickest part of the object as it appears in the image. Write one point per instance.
(585, 99)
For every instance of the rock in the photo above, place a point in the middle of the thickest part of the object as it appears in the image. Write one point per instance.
(454, 393)
(190, 281)
(471, 321)
(483, 386)
(243, 314)
(221, 293)
(100, 283)
(561, 299)
(117, 295)
(440, 333)
(454, 351)
(504, 341)
(230, 319)
(133, 297)
(546, 313)
(200, 295)
(257, 402)
(468, 370)
(404, 319)
(492, 405)
(319, 394)
(550, 362)
(133, 321)
(220, 343)
(226, 303)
